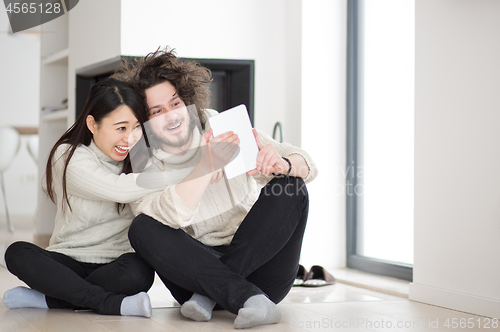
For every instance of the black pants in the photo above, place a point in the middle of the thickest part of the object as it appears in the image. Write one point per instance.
(68, 283)
(263, 256)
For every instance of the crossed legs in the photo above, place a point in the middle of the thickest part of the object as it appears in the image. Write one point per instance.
(262, 258)
(67, 283)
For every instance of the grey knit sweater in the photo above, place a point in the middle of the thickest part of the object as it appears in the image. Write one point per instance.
(224, 205)
(92, 231)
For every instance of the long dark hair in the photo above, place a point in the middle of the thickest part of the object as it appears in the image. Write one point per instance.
(104, 97)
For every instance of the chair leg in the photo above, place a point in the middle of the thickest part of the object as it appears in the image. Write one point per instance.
(9, 222)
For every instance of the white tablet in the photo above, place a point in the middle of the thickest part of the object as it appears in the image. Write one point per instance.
(236, 119)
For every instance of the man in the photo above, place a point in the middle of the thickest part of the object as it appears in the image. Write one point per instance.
(210, 239)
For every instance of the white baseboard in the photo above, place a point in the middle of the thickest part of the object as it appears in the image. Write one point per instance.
(454, 300)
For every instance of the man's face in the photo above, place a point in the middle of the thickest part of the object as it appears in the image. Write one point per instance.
(168, 116)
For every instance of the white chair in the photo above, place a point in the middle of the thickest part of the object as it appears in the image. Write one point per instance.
(9, 146)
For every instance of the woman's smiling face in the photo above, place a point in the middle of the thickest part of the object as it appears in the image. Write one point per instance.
(117, 133)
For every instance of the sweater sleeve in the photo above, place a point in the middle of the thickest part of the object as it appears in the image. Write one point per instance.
(88, 178)
(285, 149)
(167, 207)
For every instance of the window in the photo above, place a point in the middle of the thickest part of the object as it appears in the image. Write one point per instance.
(380, 110)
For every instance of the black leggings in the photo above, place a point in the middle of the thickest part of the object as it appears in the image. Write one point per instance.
(262, 258)
(68, 283)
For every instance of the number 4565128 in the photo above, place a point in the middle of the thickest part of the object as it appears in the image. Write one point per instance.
(476, 323)
(33, 8)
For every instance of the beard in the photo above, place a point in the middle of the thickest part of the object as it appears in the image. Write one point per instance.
(181, 138)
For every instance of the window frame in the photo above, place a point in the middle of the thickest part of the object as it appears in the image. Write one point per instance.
(354, 117)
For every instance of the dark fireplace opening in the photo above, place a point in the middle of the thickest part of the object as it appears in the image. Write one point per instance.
(232, 85)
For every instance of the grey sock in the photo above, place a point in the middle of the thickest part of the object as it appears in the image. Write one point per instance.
(257, 310)
(136, 305)
(23, 297)
(198, 308)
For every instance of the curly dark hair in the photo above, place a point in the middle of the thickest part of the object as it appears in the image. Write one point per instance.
(188, 77)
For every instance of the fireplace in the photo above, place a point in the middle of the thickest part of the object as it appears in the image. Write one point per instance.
(232, 85)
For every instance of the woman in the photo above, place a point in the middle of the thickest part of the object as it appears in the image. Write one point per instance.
(89, 263)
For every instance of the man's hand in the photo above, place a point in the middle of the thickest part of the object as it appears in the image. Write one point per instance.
(268, 160)
(218, 152)
(215, 154)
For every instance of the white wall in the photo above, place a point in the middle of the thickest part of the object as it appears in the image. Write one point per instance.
(457, 178)
(292, 124)
(224, 29)
(94, 36)
(19, 104)
(299, 51)
(323, 120)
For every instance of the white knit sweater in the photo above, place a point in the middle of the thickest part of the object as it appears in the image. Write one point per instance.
(224, 205)
(92, 231)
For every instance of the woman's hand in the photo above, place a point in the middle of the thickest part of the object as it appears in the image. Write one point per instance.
(217, 176)
(268, 160)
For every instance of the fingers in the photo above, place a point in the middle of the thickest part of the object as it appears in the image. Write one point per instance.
(207, 134)
(269, 161)
(221, 175)
(230, 144)
(223, 149)
(218, 152)
(206, 137)
(223, 137)
(265, 160)
(272, 164)
(253, 172)
(214, 176)
(217, 176)
(259, 144)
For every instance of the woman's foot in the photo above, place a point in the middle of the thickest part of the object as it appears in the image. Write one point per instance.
(23, 297)
(198, 308)
(257, 310)
(136, 305)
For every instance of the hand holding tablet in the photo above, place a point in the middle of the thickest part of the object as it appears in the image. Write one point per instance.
(236, 120)
(253, 156)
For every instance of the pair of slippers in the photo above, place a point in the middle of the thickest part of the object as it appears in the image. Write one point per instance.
(317, 276)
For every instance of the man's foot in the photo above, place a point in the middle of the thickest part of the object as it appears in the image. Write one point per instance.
(198, 308)
(257, 310)
(136, 305)
(23, 297)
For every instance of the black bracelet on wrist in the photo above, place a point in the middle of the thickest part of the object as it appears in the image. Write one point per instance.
(289, 168)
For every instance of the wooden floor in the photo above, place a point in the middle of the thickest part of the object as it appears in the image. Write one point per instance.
(339, 307)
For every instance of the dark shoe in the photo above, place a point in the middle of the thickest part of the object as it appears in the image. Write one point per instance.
(301, 276)
(318, 276)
